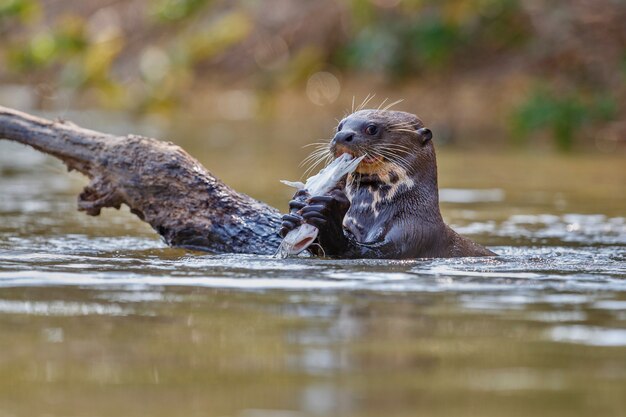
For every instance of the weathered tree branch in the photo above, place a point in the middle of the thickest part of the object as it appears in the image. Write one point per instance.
(160, 182)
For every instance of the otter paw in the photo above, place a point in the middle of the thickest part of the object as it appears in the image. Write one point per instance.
(325, 209)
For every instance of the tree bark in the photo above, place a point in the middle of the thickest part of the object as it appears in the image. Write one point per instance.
(160, 182)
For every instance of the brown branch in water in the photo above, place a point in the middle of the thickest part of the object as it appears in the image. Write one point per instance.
(160, 182)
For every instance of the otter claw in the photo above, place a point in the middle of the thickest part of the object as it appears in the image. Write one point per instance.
(290, 222)
(317, 222)
(318, 208)
(321, 199)
(312, 215)
(292, 218)
(295, 205)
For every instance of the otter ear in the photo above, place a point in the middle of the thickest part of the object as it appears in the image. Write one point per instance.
(425, 134)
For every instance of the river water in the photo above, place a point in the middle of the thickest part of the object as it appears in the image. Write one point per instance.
(99, 318)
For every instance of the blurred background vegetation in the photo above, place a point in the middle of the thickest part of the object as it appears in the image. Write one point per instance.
(546, 73)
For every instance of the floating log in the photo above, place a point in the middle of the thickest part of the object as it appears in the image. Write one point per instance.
(161, 183)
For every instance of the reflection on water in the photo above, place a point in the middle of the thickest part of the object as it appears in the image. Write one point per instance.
(99, 318)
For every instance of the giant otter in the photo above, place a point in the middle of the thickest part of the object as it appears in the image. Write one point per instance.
(389, 207)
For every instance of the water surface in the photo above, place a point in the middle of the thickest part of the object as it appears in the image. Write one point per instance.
(98, 317)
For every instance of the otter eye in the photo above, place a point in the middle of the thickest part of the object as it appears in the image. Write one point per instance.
(371, 129)
(339, 127)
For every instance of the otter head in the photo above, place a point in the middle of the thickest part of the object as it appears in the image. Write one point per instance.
(392, 141)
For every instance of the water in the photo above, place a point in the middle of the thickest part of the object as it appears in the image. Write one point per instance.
(98, 317)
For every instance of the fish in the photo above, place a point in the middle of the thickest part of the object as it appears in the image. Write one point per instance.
(321, 183)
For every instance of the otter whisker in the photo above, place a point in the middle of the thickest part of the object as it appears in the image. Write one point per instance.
(353, 97)
(320, 149)
(406, 165)
(390, 105)
(397, 152)
(405, 130)
(382, 104)
(394, 159)
(316, 154)
(323, 159)
(405, 123)
(320, 247)
(395, 156)
(325, 143)
(367, 100)
(401, 129)
(312, 163)
(319, 154)
(402, 124)
(396, 163)
(395, 146)
(400, 152)
(313, 157)
(399, 164)
(391, 128)
(399, 144)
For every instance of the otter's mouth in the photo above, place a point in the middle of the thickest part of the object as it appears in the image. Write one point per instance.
(372, 160)
(367, 161)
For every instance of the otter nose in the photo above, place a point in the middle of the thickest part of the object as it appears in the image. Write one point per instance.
(345, 136)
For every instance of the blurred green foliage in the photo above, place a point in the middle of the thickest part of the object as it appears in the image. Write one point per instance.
(21, 9)
(430, 35)
(45, 48)
(151, 63)
(563, 115)
(173, 10)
